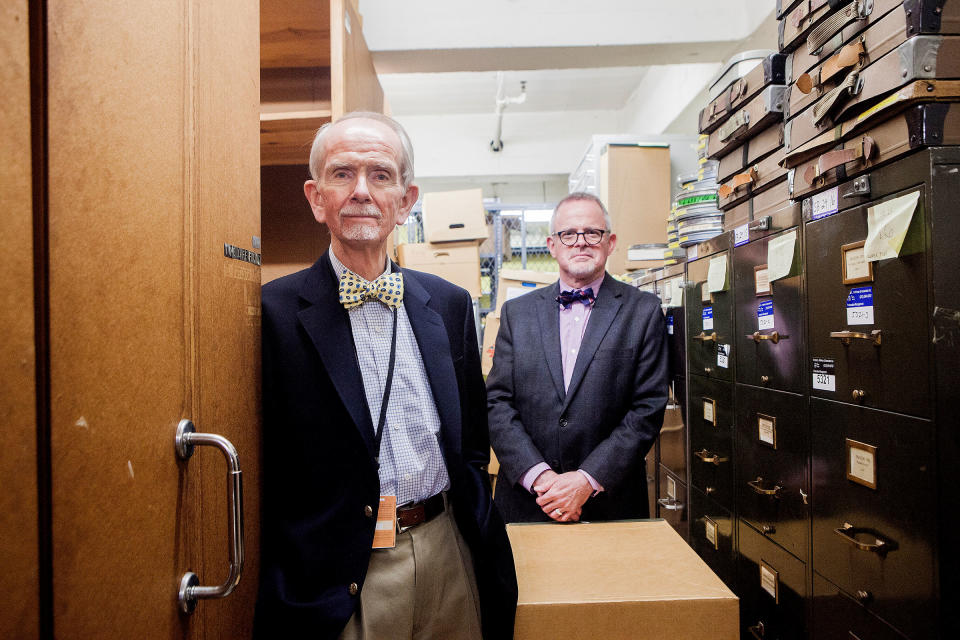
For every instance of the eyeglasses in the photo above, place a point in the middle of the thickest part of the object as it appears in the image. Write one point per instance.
(590, 236)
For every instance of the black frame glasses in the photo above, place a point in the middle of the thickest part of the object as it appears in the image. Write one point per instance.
(569, 237)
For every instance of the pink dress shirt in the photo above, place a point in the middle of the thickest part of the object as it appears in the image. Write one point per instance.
(573, 324)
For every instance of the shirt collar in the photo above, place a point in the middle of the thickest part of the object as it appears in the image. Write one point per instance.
(595, 285)
(339, 268)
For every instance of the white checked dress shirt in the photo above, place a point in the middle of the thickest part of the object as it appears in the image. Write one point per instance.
(411, 461)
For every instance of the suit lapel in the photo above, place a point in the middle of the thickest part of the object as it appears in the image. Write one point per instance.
(434, 344)
(328, 325)
(549, 316)
(605, 309)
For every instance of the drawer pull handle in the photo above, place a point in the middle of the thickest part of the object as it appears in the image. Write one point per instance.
(773, 337)
(858, 394)
(757, 486)
(848, 533)
(756, 631)
(712, 337)
(709, 457)
(846, 337)
(768, 530)
(670, 504)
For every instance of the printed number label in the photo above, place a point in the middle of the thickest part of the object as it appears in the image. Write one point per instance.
(824, 382)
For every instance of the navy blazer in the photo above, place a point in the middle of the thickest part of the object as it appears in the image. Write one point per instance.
(607, 420)
(318, 469)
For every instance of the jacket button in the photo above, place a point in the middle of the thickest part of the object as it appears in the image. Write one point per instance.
(368, 511)
(563, 422)
(555, 464)
(353, 588)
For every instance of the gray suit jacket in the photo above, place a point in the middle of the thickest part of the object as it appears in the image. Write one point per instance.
(607, 420)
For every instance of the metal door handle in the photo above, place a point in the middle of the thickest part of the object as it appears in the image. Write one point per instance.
(190, 589)
(773, 337)
(847, 336)
(757, 486)
(848, 533)
(669, 503)
(711, 337)
(709, 458)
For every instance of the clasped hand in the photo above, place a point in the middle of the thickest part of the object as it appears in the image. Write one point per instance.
(561, 495)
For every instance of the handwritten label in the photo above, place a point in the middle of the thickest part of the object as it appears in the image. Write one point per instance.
(717, 275)
(707, 316)
(769, 580)
(824, 377)
(862, 463)
(825, 204)
(765, 315)
(780, 252)
(860, 306)
(761, 280)
(741, 235)
(855, 264)
(710, 529)
(887, 225)
(708, 413)
(766, 430)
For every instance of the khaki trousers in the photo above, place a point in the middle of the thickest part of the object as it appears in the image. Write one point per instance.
(422, 589)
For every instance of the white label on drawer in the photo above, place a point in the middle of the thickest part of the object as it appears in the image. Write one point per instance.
(855, 265)
(671, 488)
(707, 316)
(780, 253)
(767, 432)
(710, 528)
(708, 413)
(860, 306)
(676, 299)
(825, 204)
(761, 280)
(765, 315)
(769, 580)
(862, 463)
(717, 275)
(823, 374)
(723, 356)
(887, 225)
(692, 252)
(741, 235)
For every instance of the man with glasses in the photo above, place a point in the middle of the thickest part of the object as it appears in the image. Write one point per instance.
(578, 387)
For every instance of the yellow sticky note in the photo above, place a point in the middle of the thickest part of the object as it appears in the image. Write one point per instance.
(717, 275)
(887, 225)
(780, 252)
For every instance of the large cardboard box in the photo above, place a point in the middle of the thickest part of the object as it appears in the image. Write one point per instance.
(516, 282)
(616, 580)
(451, 216)
(490, 331)
(458, 262)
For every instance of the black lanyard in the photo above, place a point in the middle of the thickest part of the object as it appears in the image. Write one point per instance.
(386, 390)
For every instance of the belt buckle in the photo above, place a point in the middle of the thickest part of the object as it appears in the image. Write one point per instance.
(401, 529)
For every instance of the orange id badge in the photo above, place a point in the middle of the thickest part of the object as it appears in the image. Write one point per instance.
(385, 534)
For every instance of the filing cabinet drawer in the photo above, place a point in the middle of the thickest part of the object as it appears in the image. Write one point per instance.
(710, 420)
(869, 321)
(773, 588)
(875, 510)
(772, 453)
(673, 503)
(676, 336)
(673, 434)
(709, 316)
(712, 536)
(769, 314)
(836, 616)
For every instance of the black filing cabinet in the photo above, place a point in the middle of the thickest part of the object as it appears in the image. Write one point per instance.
(709, 311)
(772, 586)
(713, 537)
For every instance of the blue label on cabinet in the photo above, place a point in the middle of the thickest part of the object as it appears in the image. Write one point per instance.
(670, 324)
(707, 318)
(765, 315)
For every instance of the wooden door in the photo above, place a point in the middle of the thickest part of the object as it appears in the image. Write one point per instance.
(18, 454)
(154, 308)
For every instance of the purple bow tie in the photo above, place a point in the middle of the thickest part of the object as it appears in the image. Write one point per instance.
(566, 298)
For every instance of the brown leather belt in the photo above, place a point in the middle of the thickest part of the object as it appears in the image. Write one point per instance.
(413, 514)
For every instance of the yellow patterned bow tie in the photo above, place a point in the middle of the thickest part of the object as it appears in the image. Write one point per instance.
(354, 290)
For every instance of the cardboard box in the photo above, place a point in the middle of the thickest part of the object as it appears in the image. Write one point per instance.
(452, 216)
(516, 282)
(613, 580)
(489, 340)
(488, 246)
(458, 262)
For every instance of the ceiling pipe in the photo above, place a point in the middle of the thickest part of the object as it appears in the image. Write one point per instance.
(502, 101)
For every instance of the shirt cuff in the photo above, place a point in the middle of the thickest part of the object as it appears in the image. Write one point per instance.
(532, 474)
(593, 483)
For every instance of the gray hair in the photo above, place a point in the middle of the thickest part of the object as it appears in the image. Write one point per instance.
(319, 149)
(581, 195)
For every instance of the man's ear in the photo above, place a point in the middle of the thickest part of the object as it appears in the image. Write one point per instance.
(613, 242)
(406, 203)
(315, 198)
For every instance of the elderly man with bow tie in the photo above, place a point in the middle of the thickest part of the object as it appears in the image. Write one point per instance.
(377, 518)
(579, 383)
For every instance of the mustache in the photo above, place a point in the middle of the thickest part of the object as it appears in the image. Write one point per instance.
(361, 210)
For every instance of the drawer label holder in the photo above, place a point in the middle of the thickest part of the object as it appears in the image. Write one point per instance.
(824, 376)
